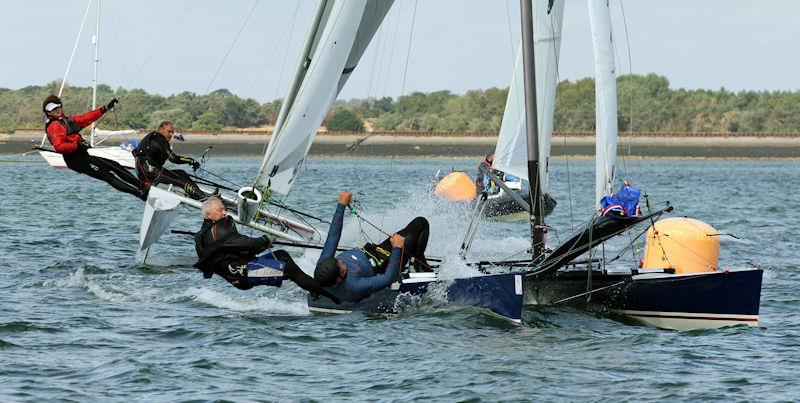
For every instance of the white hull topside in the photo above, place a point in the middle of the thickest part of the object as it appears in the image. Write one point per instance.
(115, 153)
(684, 321)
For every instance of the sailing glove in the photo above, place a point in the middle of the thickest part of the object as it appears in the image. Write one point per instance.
(112, 103)
(194, 164)
(84, 145)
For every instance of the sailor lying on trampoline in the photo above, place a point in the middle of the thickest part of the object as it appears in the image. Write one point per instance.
(233, 256)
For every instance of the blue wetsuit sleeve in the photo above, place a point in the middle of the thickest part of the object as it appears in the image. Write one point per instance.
(334, 233)
(365, 286)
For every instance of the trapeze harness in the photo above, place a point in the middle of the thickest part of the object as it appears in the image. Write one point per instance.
(378, 257)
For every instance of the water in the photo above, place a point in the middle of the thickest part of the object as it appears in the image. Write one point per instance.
(82, 321)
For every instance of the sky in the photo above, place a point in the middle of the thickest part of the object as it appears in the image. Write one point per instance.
(171, 46)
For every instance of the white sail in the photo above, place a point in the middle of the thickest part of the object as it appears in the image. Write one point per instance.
(511, 155)
(605, 84)
(338, 37)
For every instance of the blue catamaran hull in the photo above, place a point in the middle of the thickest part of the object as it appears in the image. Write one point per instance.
(671, 301)
(501, 294)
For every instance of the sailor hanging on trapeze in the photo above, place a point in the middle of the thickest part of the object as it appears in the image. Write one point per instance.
(154, 150)
(64, 134)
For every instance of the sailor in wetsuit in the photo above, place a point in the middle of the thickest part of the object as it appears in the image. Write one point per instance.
(231, 255)
(154, 150)
(64, 134)
(357, 273)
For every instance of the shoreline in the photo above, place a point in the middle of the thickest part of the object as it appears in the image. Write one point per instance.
(408, 146)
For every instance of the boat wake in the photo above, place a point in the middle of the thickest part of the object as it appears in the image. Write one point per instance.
(284, 301)
(270, 304)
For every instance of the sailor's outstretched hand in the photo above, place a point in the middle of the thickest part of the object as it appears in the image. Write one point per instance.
(397, 241)
(112, 103)
(345, 198)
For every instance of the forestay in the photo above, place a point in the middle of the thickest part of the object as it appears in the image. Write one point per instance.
(605, 84)
(511, 152)
(338, 36)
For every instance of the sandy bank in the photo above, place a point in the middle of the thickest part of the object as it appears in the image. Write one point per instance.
(469, 146)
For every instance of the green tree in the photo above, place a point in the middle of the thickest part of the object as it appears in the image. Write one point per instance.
(345, 121)
(179, 117)
(207, 121)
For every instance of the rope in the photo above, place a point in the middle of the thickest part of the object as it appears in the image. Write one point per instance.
(219, 177)
(360, 217)
(589, 292)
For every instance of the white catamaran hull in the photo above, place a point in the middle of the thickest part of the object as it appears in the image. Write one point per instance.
(120, 155)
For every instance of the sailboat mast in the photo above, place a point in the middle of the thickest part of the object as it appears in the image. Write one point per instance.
(96, 40)
(532, 129)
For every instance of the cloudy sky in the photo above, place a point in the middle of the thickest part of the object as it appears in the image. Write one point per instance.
(170, 46)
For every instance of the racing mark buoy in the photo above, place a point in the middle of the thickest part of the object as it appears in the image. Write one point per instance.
(683, 244)
(456, 186)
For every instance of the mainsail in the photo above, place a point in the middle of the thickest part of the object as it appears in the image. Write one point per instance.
(605, 89)
(338, 36)
(511, 152)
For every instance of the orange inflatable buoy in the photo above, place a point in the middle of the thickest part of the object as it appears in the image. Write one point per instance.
(456, 186)
(683, 244)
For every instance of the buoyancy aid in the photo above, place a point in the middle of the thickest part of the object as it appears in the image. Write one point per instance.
(70, 125)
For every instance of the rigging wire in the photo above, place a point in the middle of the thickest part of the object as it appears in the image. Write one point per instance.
(510, 36)
(394, 42)
(230, 48)
(278, 85)
(408, 50)
(630, 72)
(161, 42)
(274, 51)
(119, 43)
(285, 56)
(74, 48)
(375, 56)
(403, 86)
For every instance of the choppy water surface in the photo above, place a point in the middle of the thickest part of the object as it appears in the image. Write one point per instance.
(82, 320)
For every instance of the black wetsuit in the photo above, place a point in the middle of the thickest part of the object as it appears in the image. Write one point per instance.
(416, 235)
(224, 251)
(153, 151)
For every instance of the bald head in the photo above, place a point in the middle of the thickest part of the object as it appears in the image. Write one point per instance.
(213, 209)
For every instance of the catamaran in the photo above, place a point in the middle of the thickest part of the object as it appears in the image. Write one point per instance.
(678, 283)
(122, 153)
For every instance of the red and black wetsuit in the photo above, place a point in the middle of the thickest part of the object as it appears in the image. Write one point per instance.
(64, 134)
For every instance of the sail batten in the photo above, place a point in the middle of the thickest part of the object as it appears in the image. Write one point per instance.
(340, 34)
(605, 97)
(511, 150)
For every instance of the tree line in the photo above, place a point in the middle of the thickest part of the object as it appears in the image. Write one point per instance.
(645, 103)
